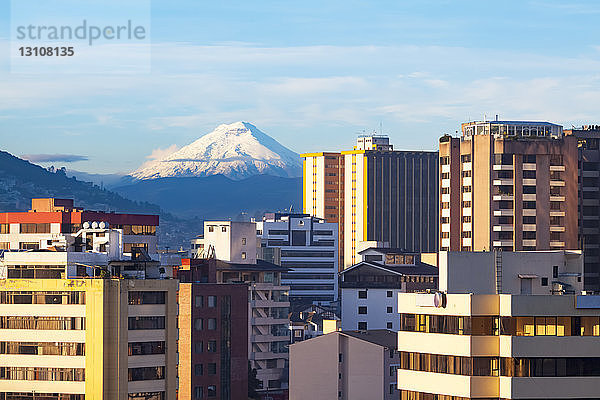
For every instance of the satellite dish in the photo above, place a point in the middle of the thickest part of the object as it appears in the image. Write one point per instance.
(103, 225)
(95, 225)
(86, 225)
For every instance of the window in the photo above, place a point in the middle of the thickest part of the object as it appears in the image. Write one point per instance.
(223, 229)
(199, 369)
(4, 228)
(390, 293)
(544, 281)
(555, 271)
(146, 373)
(389, 310)
(243, 255)
(198, 392)
(362, 326)
(528, 189)
(212, 301)
(198, 324)
(528, 174)
(198, 347)
(146, 297)
(243, 241)
(529, 158)
(528, 235)
(340, 357)
(211, 391)
(362, 294)
(4, 245)
(146, 348)
(529, 220)
(35, 228)
(298, 238)
(211, 228)
(211, 369)
(389, 325)
(144, 323)
(362, 310)
(212, 324)
(212, 346)
(199, 301)
(529, 205)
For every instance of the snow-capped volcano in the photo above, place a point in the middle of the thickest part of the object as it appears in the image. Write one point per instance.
(237, 150)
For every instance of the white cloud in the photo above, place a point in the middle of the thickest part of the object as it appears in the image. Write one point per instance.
(158, 154)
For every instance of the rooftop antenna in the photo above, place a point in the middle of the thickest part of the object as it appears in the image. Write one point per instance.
(496, 117)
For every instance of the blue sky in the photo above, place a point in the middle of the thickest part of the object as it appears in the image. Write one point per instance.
(313, 75)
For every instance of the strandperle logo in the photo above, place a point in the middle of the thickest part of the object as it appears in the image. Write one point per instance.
(84, 32)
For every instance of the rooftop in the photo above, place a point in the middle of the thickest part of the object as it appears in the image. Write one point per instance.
(381, 337)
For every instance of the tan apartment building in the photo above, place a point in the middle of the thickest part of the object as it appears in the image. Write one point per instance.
(508, 185)
(348, 365)
(389, 196)
(533, 336)
(588, 146)
(75, 339)
(323, 191)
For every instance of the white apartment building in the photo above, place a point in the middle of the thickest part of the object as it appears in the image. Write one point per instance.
(309, 249)
(369, 289)
(491, 336)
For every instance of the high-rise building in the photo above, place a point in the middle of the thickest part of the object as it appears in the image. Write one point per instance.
(213, 333)
(389, 196)
(588, 145)
(100, 338)
(323, 191)
(308, 248)
(506, 325)
(508, 185)
(234, 245)
(73, 324)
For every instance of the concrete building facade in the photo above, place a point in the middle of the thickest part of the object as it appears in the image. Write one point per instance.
(308, 249)
(509, 185)
(388, 196)
(347, 365)
(213, 333)
(474, 341)
(234, 246)
(369, 289)
(72, 339)
(323, 191)
(588, 146)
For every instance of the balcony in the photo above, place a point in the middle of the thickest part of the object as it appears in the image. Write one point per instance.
(502, 182)
(503, 228)
(503, 243)
(466, 226)
(529, 227)
(503, 213)
(529, 242)
(503, 167)
(528, 212)
(557, 213)
(467, 181)
(529, 197)
(557, 228)
(560, 168)
(499, 197)
(466, 241)
(557, 198)
(467, 196)
(556, 243)
(554, 182)
(529, 167)
(448, 384)
(446, 198)
(446, 168)
(529, 182)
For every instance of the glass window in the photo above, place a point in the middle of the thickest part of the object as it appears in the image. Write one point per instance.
(212, 324)
(212, 346)
(212, 301)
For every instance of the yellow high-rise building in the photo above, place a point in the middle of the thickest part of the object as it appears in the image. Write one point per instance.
(378, 196)
(76, 339)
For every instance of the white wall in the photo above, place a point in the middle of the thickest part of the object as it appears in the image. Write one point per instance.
(377, 302)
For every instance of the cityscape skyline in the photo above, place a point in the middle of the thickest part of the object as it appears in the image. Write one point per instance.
(335, 71)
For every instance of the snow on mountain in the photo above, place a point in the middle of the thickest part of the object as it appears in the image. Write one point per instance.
(237, 150)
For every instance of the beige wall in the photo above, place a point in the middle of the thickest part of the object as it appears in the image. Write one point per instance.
(314, 369)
